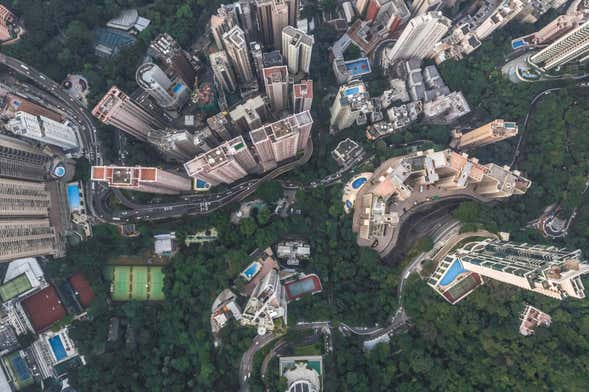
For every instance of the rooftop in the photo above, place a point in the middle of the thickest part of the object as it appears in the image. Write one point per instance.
(44, 308)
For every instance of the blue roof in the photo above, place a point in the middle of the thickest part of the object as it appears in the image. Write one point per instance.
(113, 39)
(452, 272)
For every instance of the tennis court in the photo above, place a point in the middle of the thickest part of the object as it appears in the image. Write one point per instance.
(139, 283)
(14, 287)
(19, 370)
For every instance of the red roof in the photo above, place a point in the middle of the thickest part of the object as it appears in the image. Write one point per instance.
(44, 308)
(82, 288)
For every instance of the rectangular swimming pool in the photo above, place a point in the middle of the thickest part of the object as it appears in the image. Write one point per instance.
(73, 197)
(57, 347)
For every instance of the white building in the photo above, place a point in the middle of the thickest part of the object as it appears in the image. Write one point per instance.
(574, 45)
(170, 94)
(266, 303)
(297, 48)
(419, 37)
(44, 130)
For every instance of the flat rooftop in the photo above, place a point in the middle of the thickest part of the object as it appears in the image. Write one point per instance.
(44, 308)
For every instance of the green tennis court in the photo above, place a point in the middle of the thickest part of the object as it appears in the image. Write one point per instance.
(156, 284)
(14, 287)
(138, 283)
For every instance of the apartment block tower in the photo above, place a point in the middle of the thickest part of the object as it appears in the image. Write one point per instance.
(250, 115)
(282, 139)
(273, 16)
(546, 270)
(117, 109)
(419, 7)
(238, 53)
(26, 237)
(219, 125)
(166, 49)
(142, 179)
(297, 48)
(177, 144)
(44, 130)
(276, 84)
(572, 46)
(258, 59)
(350, 102)
(492, 132)
(302, 96)
(19, 159)
(223, 71)
(222, 22)
(169, 91)
(266, 303)
(225, 164)
(419, 37)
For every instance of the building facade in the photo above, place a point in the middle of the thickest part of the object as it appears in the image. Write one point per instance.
(43, 130)
(572, 46)
(19, 159)
(489, 133)
(276, 84)
(419, 37)
(297, 48)
(302, 96)
(238, 53)
(222, 70)
(117, 109)
(169, 93)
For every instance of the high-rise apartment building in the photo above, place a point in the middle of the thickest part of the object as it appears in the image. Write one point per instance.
(349, 104)
(225, 163)
(117, 109)
(43, 130)
(9, 29)
(238, 53)
(258, 59)
(177, 144)
(276, 83)
(165, 48)
(223, 71)
(419, 37)
(572, 46)
(282, 139)
(492, 132)
(222, 22)
(23, 198)
(546, 270)
(302, 96)
(142, 179)
(273, 16)
(19, 159)
(266, 303)
(419, 7)
(297, 48)
(219, 125)
(169, 93)
(251, 114)
(26, 237)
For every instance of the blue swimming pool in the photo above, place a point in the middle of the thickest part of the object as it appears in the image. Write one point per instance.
(359, 182)
(352, 91)
(57, 347)
(251, 270)
(455, 269)
(177, 88)
(349, 204)
(358, 67)
(517, 44)
(73, 196)
(59, 171)
(200, 184)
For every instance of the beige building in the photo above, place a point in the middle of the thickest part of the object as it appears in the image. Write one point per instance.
(282, 139)
(222, 22)
(402, 183)
(350, 104)
(273, 16)
(251, 114)
(572, 46)
(276, 84)
(19, 159)
(492, 132)
(238, 53)
(117, 109)
(223, 71)
(142, 179)
(225, 164)
(23, 198)
(26, 237)
(302, 96)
